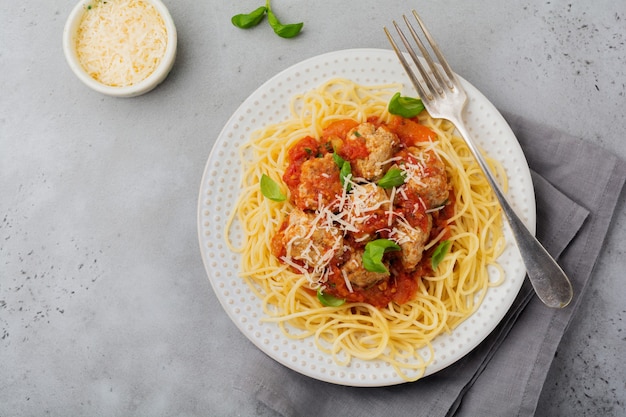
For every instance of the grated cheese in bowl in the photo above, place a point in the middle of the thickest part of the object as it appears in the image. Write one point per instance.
(120, 47)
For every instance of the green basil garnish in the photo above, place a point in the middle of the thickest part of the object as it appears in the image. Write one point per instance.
(248, 20)
(373, 254)
(284, 31)
(393, 178)
(405, 106)
(338, 160)
(329, 300)
(270, 189)
(345, 170)
(440, 252)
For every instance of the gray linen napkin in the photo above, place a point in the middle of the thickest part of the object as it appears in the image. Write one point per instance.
(504, 374)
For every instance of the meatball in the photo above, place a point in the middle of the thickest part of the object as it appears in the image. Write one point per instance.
(368, 208)
(380, 144)
(355, 272)
(307, 239)
(411, 240)
(319, 184)
(426, 177)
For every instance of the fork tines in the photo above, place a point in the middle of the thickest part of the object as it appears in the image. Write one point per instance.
(436, 85)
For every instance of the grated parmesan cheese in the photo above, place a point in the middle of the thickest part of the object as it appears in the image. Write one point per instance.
(121, 42)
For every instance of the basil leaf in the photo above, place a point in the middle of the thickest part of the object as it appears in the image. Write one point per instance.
(373, 254)
(284, 31)
(393, 178)
(440, 252)
(338, 160)
(329, 300)
(345, 170)
(405, 106)
(248, 20)
(270, 189)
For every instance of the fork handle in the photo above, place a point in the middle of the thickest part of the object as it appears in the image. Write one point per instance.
(551, 284)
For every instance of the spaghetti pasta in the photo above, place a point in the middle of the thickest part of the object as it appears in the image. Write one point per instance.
(395, 333)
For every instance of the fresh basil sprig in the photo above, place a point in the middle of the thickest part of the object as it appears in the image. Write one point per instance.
(405, 106)
(373, 254)
(248, 20)
(329, 300)
(338, 159)
(440, 252)
(284, 31)
(270, 189)
(393, 178)
(345, 170)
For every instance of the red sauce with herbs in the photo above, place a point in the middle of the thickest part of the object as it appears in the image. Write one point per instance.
(402, 284)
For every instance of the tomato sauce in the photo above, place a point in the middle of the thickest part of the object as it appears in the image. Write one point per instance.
(410, 132)
(440, 218)
(276, 245)
(305, 149)
(377, 220)
(353, 148)
(338, 129)
(402, 285)
(349, 148)
(400, 288)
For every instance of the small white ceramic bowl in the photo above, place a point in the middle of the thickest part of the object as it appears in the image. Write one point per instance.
(141, 87)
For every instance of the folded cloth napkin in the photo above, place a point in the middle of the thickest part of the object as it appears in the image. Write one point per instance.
(577, 187)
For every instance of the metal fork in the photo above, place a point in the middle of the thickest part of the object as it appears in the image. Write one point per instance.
(444, 97)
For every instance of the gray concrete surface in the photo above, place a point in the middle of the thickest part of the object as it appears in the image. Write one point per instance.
(105, 307)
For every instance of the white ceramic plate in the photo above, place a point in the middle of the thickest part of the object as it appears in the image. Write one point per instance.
(219, 191)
